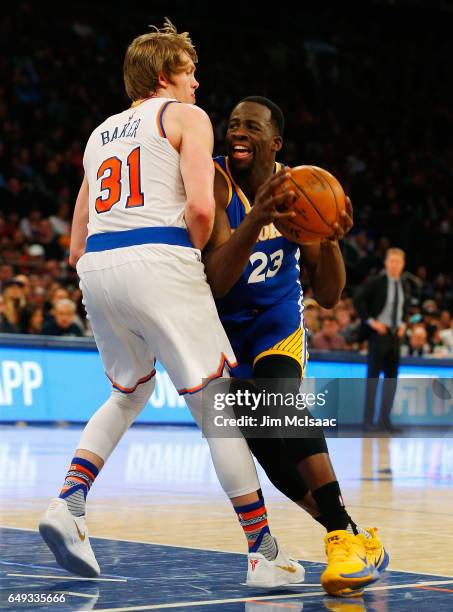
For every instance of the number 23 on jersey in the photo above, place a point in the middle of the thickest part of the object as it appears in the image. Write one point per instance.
(109, 173)
(267, 267)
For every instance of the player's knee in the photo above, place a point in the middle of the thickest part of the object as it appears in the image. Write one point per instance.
(302, 448)
(133, 403)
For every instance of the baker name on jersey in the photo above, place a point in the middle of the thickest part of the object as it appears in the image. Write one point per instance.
(128, 130)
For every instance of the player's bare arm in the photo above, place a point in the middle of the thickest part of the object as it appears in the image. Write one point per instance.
(324, 262)
(189, 130)
(227, 253)
(79, 229)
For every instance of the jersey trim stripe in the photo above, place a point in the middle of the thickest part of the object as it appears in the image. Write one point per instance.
(175, 236)
(217, 374)
(228, 180)
(160, 125)
(239, 191)
(131, 389)
(275, 352)
(294, 346)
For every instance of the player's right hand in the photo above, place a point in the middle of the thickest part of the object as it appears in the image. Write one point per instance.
(271, 203)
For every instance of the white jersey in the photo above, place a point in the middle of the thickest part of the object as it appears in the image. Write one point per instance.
(133, 172)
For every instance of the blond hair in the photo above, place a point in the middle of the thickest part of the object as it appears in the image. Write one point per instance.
(395, 251)
(154, 54)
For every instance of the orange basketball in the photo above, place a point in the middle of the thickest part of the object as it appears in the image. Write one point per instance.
(318, 202)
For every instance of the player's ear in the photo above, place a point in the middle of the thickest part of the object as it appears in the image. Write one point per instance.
(163, 81)
(277, 143)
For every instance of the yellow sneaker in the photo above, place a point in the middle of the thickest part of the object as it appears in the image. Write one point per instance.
(348, 569)
(375, 551)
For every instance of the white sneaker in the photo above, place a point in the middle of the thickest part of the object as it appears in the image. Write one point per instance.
(269, 574)
(67, 537)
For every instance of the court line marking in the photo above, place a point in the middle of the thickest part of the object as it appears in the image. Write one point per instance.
(298, 585)
(425, 588)
(412, 585)
(43, 567)
(211, 602)
(52, 568)
(231, 552)
(285, 605)
(79, 578)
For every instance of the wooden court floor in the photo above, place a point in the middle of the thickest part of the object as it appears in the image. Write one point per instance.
(159, 487)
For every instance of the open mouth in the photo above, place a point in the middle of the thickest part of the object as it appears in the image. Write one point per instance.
(241, 151)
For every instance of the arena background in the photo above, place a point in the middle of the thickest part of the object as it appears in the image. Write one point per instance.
(365, 88)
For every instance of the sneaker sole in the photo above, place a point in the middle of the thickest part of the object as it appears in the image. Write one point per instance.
(70, 562)
(257, 585)
(358, 591)
(343, 587)
(276, 585)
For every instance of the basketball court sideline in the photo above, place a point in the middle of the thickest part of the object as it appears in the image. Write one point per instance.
(166, 538)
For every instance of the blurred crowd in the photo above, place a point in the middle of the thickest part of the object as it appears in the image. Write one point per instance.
(382, 125)
(429, 331)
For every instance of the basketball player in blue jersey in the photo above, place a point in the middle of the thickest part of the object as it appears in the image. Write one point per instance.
(254, 274)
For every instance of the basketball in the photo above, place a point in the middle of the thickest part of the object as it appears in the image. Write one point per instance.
(318, 202)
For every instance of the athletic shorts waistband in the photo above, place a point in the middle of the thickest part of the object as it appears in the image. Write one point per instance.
(175, 236)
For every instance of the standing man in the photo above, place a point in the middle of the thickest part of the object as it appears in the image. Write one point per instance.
(382, 304)
(144, 212)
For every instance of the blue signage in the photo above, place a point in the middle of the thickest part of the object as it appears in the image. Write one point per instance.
(45, 383)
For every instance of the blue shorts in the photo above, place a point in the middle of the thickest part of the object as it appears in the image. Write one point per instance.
(278, 330)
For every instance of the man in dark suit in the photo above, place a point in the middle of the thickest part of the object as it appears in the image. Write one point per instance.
(382, 304)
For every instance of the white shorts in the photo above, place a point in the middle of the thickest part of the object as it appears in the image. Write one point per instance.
(153, 302)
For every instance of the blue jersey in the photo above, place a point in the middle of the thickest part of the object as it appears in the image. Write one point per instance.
(272, 274)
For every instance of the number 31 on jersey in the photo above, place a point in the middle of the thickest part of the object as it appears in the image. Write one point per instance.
(109, 173)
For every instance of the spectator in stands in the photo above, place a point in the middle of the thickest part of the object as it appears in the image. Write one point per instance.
(431, 320)
(58, 293)
(6, 274)
(38, 297)
(23, 278)
(30, 226)
(15, 304)
(445, 320)
(61, 220)
(329, 338)
(347, 328)
(63, 323)
(35, 321)
(5, 326)
(417, 345)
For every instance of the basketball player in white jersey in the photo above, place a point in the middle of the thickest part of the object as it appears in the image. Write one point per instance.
(144, 212)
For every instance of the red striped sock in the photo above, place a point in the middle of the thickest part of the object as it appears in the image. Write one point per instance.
(253, 520)
(79, 479)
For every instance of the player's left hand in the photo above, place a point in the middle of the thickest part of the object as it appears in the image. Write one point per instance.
(345, 223)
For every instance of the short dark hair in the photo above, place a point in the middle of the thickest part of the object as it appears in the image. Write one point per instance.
(276, 112)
